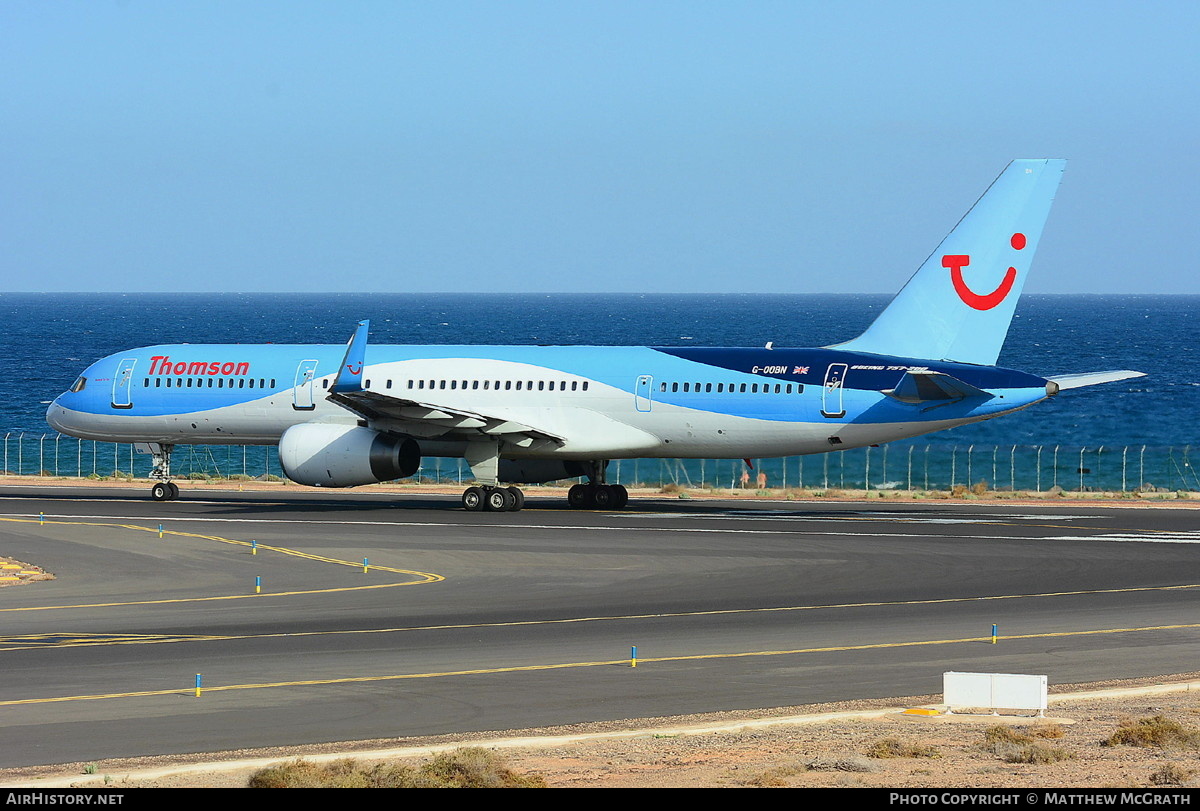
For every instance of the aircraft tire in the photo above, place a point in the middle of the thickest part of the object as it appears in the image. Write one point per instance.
(472, 499)
(161, 491)
(499, 500)
(603, 496)
(518, 499)
(581, 497)
(620, 496)
(174, 490)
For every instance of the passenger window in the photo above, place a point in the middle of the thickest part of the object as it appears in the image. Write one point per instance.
(585, 385)
(541, 385)
(574, 385)
(707, 387)
(674, 387)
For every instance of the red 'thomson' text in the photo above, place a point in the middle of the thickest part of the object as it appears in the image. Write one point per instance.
(161, 365)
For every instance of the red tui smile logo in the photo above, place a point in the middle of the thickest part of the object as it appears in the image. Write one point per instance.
(350, 368)
(956, 262)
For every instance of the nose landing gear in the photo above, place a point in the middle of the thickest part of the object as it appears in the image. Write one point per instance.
(163, 489)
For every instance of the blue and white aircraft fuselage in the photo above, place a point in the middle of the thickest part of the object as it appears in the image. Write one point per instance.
(356, 414)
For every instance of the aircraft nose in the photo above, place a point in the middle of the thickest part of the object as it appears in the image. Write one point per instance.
(56, 417)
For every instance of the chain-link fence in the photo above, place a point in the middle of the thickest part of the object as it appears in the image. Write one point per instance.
(888, 467)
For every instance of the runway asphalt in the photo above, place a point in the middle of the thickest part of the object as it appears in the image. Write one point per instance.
(479, 621)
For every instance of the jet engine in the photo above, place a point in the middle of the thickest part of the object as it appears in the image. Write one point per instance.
(330, 455)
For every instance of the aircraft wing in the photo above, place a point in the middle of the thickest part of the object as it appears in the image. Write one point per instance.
(419, 418)
(426, 419)
(1082, 379)
(927, 387)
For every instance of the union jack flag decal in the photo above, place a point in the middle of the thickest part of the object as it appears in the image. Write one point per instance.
(800, 370)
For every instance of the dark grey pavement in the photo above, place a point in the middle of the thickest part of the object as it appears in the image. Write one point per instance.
(732, 605)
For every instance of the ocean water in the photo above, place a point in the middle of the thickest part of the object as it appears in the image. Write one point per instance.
(1116, 435)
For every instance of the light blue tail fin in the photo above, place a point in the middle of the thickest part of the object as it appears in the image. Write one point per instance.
(959, 304)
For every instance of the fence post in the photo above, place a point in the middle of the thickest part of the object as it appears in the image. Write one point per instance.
(1081, 450)
(1012, 469)
(926, 467)
(79, 458)
(953, 465)
(970, 474)
(867, 470)
(1124, 465)
(56, 439)
(41, 454)
(1055, 467)
(995, 475)
(910, 450)
(6, 436)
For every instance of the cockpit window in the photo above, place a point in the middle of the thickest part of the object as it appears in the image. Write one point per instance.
(79, 384)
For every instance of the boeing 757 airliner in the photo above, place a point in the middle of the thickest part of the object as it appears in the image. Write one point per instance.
(357, 414)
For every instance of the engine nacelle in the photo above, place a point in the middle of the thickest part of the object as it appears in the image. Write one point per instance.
(331, 455)
(538, 471)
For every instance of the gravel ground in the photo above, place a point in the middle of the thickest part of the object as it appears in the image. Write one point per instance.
(808, 746)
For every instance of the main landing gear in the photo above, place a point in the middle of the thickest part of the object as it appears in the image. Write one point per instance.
(493, 498)
(599, 496)
(163, 489)
(596, 493)
(484, 459)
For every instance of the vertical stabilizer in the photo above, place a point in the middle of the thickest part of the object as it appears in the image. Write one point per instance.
(959, 304)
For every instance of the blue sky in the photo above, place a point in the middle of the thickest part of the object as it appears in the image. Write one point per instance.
(592, 147)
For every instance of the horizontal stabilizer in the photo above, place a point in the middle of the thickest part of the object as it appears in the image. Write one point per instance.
(925, 387)
(1082, 379)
